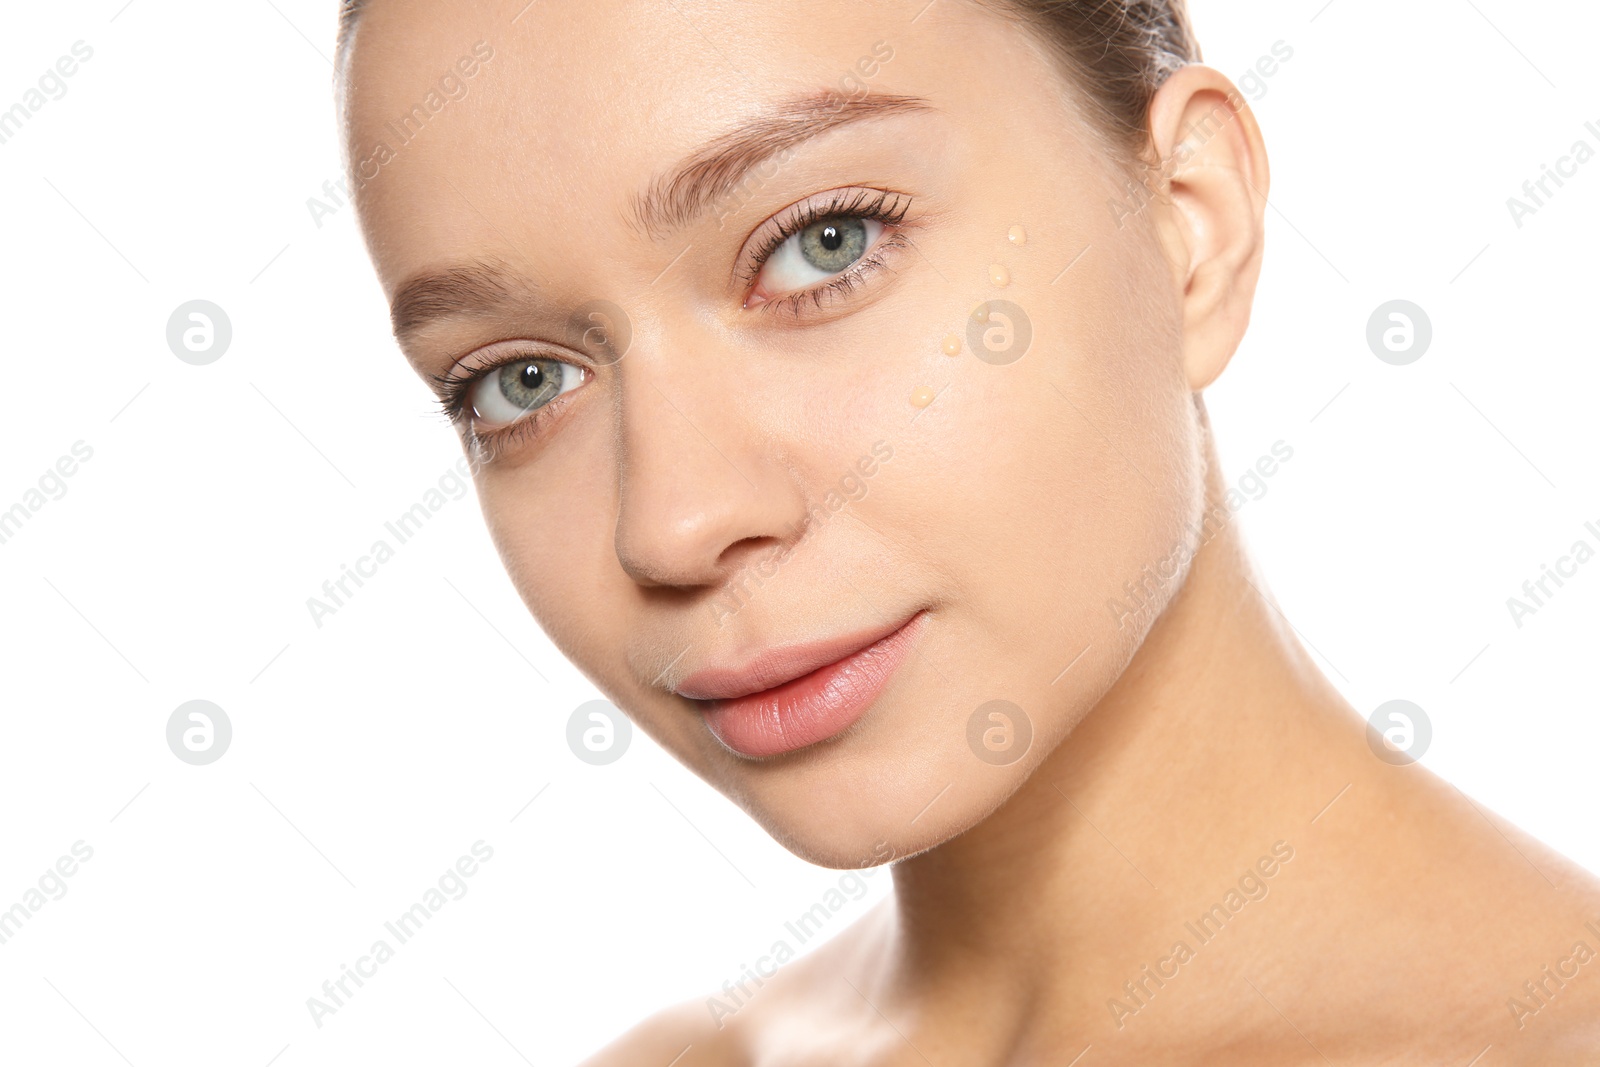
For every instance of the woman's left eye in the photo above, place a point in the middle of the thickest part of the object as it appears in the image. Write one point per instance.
(510, 392)
(815, 254)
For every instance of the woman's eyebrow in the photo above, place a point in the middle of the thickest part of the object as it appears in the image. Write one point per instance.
(712, 171)
(670, 202)
(475, 288)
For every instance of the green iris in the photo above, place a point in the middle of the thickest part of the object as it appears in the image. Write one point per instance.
(531, 383)
(831, 245)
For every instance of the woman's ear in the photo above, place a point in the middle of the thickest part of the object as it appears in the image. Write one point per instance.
(1213, 172)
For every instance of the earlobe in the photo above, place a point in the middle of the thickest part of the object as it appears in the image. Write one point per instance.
(1213, 166)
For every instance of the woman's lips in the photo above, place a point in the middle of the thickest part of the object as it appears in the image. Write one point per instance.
(819, 704)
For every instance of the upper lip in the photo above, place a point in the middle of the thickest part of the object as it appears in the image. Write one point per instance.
(772, 667)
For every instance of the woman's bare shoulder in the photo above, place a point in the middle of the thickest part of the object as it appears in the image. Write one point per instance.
(682, 1035)
(795, 1005)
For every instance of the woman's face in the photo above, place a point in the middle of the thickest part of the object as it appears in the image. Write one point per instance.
(746, 466)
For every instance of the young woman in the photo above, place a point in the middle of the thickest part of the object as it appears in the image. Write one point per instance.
(833, 374)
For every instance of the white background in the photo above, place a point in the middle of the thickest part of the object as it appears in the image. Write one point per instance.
(370, 753)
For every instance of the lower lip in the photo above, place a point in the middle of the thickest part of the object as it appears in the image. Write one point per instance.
(815, 706)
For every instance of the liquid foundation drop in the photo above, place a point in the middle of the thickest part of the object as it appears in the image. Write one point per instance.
(921, 396)
(951, 345)
(1018, 235)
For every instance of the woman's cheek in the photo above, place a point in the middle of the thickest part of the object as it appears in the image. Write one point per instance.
(552, 547)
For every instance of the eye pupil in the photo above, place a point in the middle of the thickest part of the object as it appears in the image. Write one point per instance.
(532, 376)
(831, 238)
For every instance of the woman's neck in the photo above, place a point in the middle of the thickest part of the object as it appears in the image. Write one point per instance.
(1222, 797)
(1202, 754)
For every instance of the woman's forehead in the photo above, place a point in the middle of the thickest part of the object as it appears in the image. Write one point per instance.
(594, 110)
(632, 44)
(578, 72)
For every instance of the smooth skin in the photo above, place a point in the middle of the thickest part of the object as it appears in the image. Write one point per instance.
(1173, 746)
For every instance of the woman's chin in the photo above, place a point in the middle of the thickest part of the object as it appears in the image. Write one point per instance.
(866, 812)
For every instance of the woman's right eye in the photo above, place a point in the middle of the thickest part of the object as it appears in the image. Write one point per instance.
(825, 249)
(511, 392)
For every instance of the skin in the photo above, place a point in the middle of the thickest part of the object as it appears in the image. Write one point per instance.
(1173, 746)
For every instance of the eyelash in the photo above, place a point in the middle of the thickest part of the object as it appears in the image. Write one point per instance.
(884, 207)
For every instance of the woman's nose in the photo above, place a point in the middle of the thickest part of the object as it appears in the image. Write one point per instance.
(701, 487)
